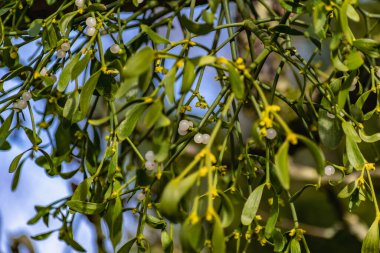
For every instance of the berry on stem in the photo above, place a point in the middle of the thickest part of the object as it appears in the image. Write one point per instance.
(198, 138)
(61, 54)
(183, 125)
(90, 31)
(79, 3)
(150, 165)
(65, 46)
(150, 156)
(26, 96)
(271, 133)
(329, 170)
(205, 138)
(115, 49)
(91, 22)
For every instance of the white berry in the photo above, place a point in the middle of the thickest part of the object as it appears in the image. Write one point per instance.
(43, 71)
(90, 31)
(182, 132)
(79, 3)
(115, 49)
(191, 124)
(26, 96)
(330, 115)
(91, 22)
(271, 133)
(198, 138)
(149, 165)
(140, 1)
(140, 196)
(329, 170)
(205, 138)
(61, 54)
(65, 46)
(183, 125)
(149, 156)
(21, 104)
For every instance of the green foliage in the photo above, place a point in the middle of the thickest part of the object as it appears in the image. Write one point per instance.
(227, 187)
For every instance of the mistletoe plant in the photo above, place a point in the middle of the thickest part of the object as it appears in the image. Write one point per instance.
(122, 120)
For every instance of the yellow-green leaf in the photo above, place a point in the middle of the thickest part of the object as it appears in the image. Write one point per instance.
(252, 205)
(371, 240)
(282, 165)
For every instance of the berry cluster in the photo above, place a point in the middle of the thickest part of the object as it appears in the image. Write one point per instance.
(150, 163)
(90, 29)
(61, 53)
(22, 103)
(184, 126)
(201, 138)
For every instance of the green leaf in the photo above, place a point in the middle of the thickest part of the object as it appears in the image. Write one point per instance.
(80, 66)
(192, 236)
(174, 191)
(16, 177)
(196, 28)
(88, 208)
(368, 46)
(127, 126)
(167, 242)
(272, 219)
(114, 219)
(252, 205)
(15, 162)
(138, 63)
(71, 106)
(42, 236)
(65, 20)
(155, 222)
(369, 138)
(354, 60)
(292, 6)
(319, 19)
(35, 140)
(279, 240)
(35, 27)
(362, 99)
(96, 7)
(286, 29)
(50, 2)
(188, 76)
(65, 76)
(295, 246)
(155, 37)
(98, 122)
(153, 113)
(217, 240)
(282, 165)
(87, 91)
(204, 60)
(4, 128)
(299, 192)
(316, 152)
(349, 130)
(344, 21)
(371, 240)
(348, 190)
(169, 81)
(70, 241)
(352, 13)
(228, 210)
(354, 155)
(82, 189)
(126, 248)
(330, 130)
(237, 84)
